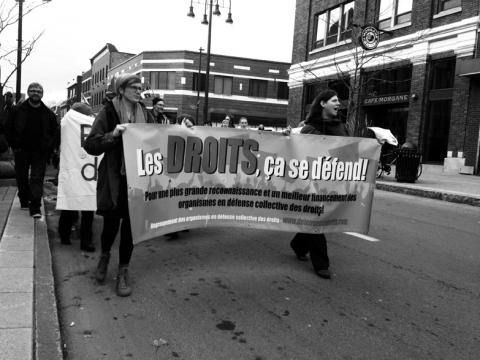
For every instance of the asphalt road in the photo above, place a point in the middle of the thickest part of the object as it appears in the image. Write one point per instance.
(409, 291)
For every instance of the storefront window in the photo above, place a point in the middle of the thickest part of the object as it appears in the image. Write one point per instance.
(388, 81)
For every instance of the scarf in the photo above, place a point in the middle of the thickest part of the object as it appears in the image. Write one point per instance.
(121, 109)
(137, 118)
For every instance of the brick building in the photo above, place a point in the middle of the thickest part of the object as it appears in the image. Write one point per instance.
(257, 89)
(87, 86)
(106, 58)
(421, 81)
(74, 91)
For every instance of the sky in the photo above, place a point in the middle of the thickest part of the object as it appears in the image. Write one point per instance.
(75, 30)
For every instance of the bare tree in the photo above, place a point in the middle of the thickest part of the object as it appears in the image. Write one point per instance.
(9, 17)
(350, 74)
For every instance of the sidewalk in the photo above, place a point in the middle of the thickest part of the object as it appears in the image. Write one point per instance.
(435, 184)
(29, 327)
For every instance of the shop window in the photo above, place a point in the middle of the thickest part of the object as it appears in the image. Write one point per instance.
(394, 12)
(282, 91)
(334, 25)
(257, 88)
(388, 81)
(444, 5)
(195, 85)
(223, 85)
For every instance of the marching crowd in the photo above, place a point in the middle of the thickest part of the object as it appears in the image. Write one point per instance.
(33, 133)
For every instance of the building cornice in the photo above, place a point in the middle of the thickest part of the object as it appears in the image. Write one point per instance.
(459, 37)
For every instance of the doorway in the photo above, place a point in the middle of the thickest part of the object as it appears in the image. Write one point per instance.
(388, 117)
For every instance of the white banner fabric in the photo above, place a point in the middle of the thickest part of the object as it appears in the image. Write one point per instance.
(77, 178)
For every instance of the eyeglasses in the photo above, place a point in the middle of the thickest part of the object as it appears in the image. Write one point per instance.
(35, 91)
(135, 88)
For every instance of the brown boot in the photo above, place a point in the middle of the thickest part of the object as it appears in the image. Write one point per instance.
(123, 283)
(102, 267)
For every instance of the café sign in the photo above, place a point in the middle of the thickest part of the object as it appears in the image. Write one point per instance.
(384, 100)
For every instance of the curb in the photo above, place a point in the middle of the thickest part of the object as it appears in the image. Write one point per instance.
(432, 194)
(46, 325)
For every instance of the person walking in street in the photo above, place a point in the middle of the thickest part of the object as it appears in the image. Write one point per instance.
(69, 217)
(32, 131)
(321, 120)
(105, 138)
(5, 112)
(158, 111)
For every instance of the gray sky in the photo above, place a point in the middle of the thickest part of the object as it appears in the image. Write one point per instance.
(75, 30)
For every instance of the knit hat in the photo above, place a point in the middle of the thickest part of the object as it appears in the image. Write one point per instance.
(82, 108)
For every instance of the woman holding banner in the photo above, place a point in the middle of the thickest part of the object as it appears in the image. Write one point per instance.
(112, 198)
(321, 120)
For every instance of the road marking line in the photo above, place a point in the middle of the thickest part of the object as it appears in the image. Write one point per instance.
(361, 236)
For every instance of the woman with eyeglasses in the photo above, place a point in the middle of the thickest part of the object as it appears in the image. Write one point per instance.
(112, 198)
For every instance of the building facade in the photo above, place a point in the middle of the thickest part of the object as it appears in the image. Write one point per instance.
(257, 89)
(421, 81)
(74, 91)
(86, 94)
(101, 63)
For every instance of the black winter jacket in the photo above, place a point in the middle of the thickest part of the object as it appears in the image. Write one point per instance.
(111, 201)
(332, 127)
(17, 119)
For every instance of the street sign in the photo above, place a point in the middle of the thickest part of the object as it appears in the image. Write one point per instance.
(369, 37)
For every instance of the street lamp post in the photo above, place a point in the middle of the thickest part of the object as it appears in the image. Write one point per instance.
(19, 50)
(209, 23)
(198, 82)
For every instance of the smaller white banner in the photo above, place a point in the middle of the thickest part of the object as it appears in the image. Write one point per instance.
(77, 178)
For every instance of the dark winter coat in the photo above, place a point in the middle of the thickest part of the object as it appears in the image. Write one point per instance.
(332, 127)
(111, 185)
(17, 119)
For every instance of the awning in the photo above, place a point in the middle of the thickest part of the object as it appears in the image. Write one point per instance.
(468, 67)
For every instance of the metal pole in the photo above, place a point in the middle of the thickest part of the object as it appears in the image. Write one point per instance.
(19, 52)
(198, 84)
(207, 75)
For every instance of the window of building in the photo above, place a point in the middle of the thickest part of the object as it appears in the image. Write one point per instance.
(443, 73)
(201, 86)
(257, 88)
(223, 85)
(162, 80)
(282, 91)
(334, 25)
(444, 5)
(388, 81)
(394, 12)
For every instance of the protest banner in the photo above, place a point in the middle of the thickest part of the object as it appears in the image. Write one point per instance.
(77, 177)
(180, 178)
